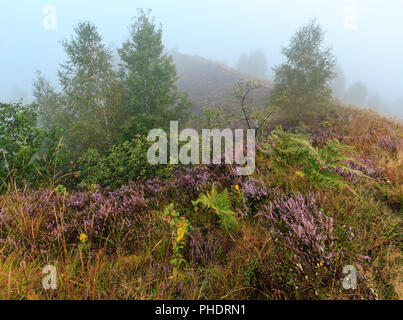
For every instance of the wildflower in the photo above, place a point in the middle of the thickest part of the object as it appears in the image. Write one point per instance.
(236, 187)
(300, 174)
(181, 230)
(181, 233)
(83, 238)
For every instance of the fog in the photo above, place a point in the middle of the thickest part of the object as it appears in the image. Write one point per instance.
(365, 37)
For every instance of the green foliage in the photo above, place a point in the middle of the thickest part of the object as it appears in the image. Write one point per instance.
(141, 124)
(220, 204)
(250, 272)
(149, 74)
(294, 151)
(91, 100)
(98, 107)
(213, 118)
(305, 77)
(392, 195)
(20, 139)
(60, 189)
(124, 162)
(30, 156)
(181, 227)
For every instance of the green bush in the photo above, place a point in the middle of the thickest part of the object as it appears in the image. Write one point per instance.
(20, 139)
(124, 162)
(29, 156)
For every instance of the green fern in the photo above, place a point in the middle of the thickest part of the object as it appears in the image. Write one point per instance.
(220, 203)
(289, 150)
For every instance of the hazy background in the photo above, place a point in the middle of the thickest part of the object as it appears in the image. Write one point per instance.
(369, 49)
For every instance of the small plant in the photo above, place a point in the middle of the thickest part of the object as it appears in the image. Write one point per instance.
(61, 190)
(220, 203)
(181, 227)
(250, 276)
(238, 200)
(83, 242)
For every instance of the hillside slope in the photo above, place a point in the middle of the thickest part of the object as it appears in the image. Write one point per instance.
(211, 83)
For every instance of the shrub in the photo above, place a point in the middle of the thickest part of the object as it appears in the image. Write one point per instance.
(29, 156)
(20, 139)
(255, 192)
(305, 228)
(124, 162)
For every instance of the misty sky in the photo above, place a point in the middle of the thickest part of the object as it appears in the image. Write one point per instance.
(369, 48)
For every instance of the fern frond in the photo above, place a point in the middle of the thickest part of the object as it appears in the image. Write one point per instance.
(220, 204)
(291, 150)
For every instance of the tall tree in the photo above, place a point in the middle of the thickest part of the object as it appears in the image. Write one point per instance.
(304, 78)
(149, 74)
(92, 91)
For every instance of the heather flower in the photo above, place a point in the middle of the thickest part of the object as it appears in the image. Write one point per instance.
(203, 250)
(255, 192)
(389, 144)
(307, 230)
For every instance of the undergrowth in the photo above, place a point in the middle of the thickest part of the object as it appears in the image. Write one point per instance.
(318, 201)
